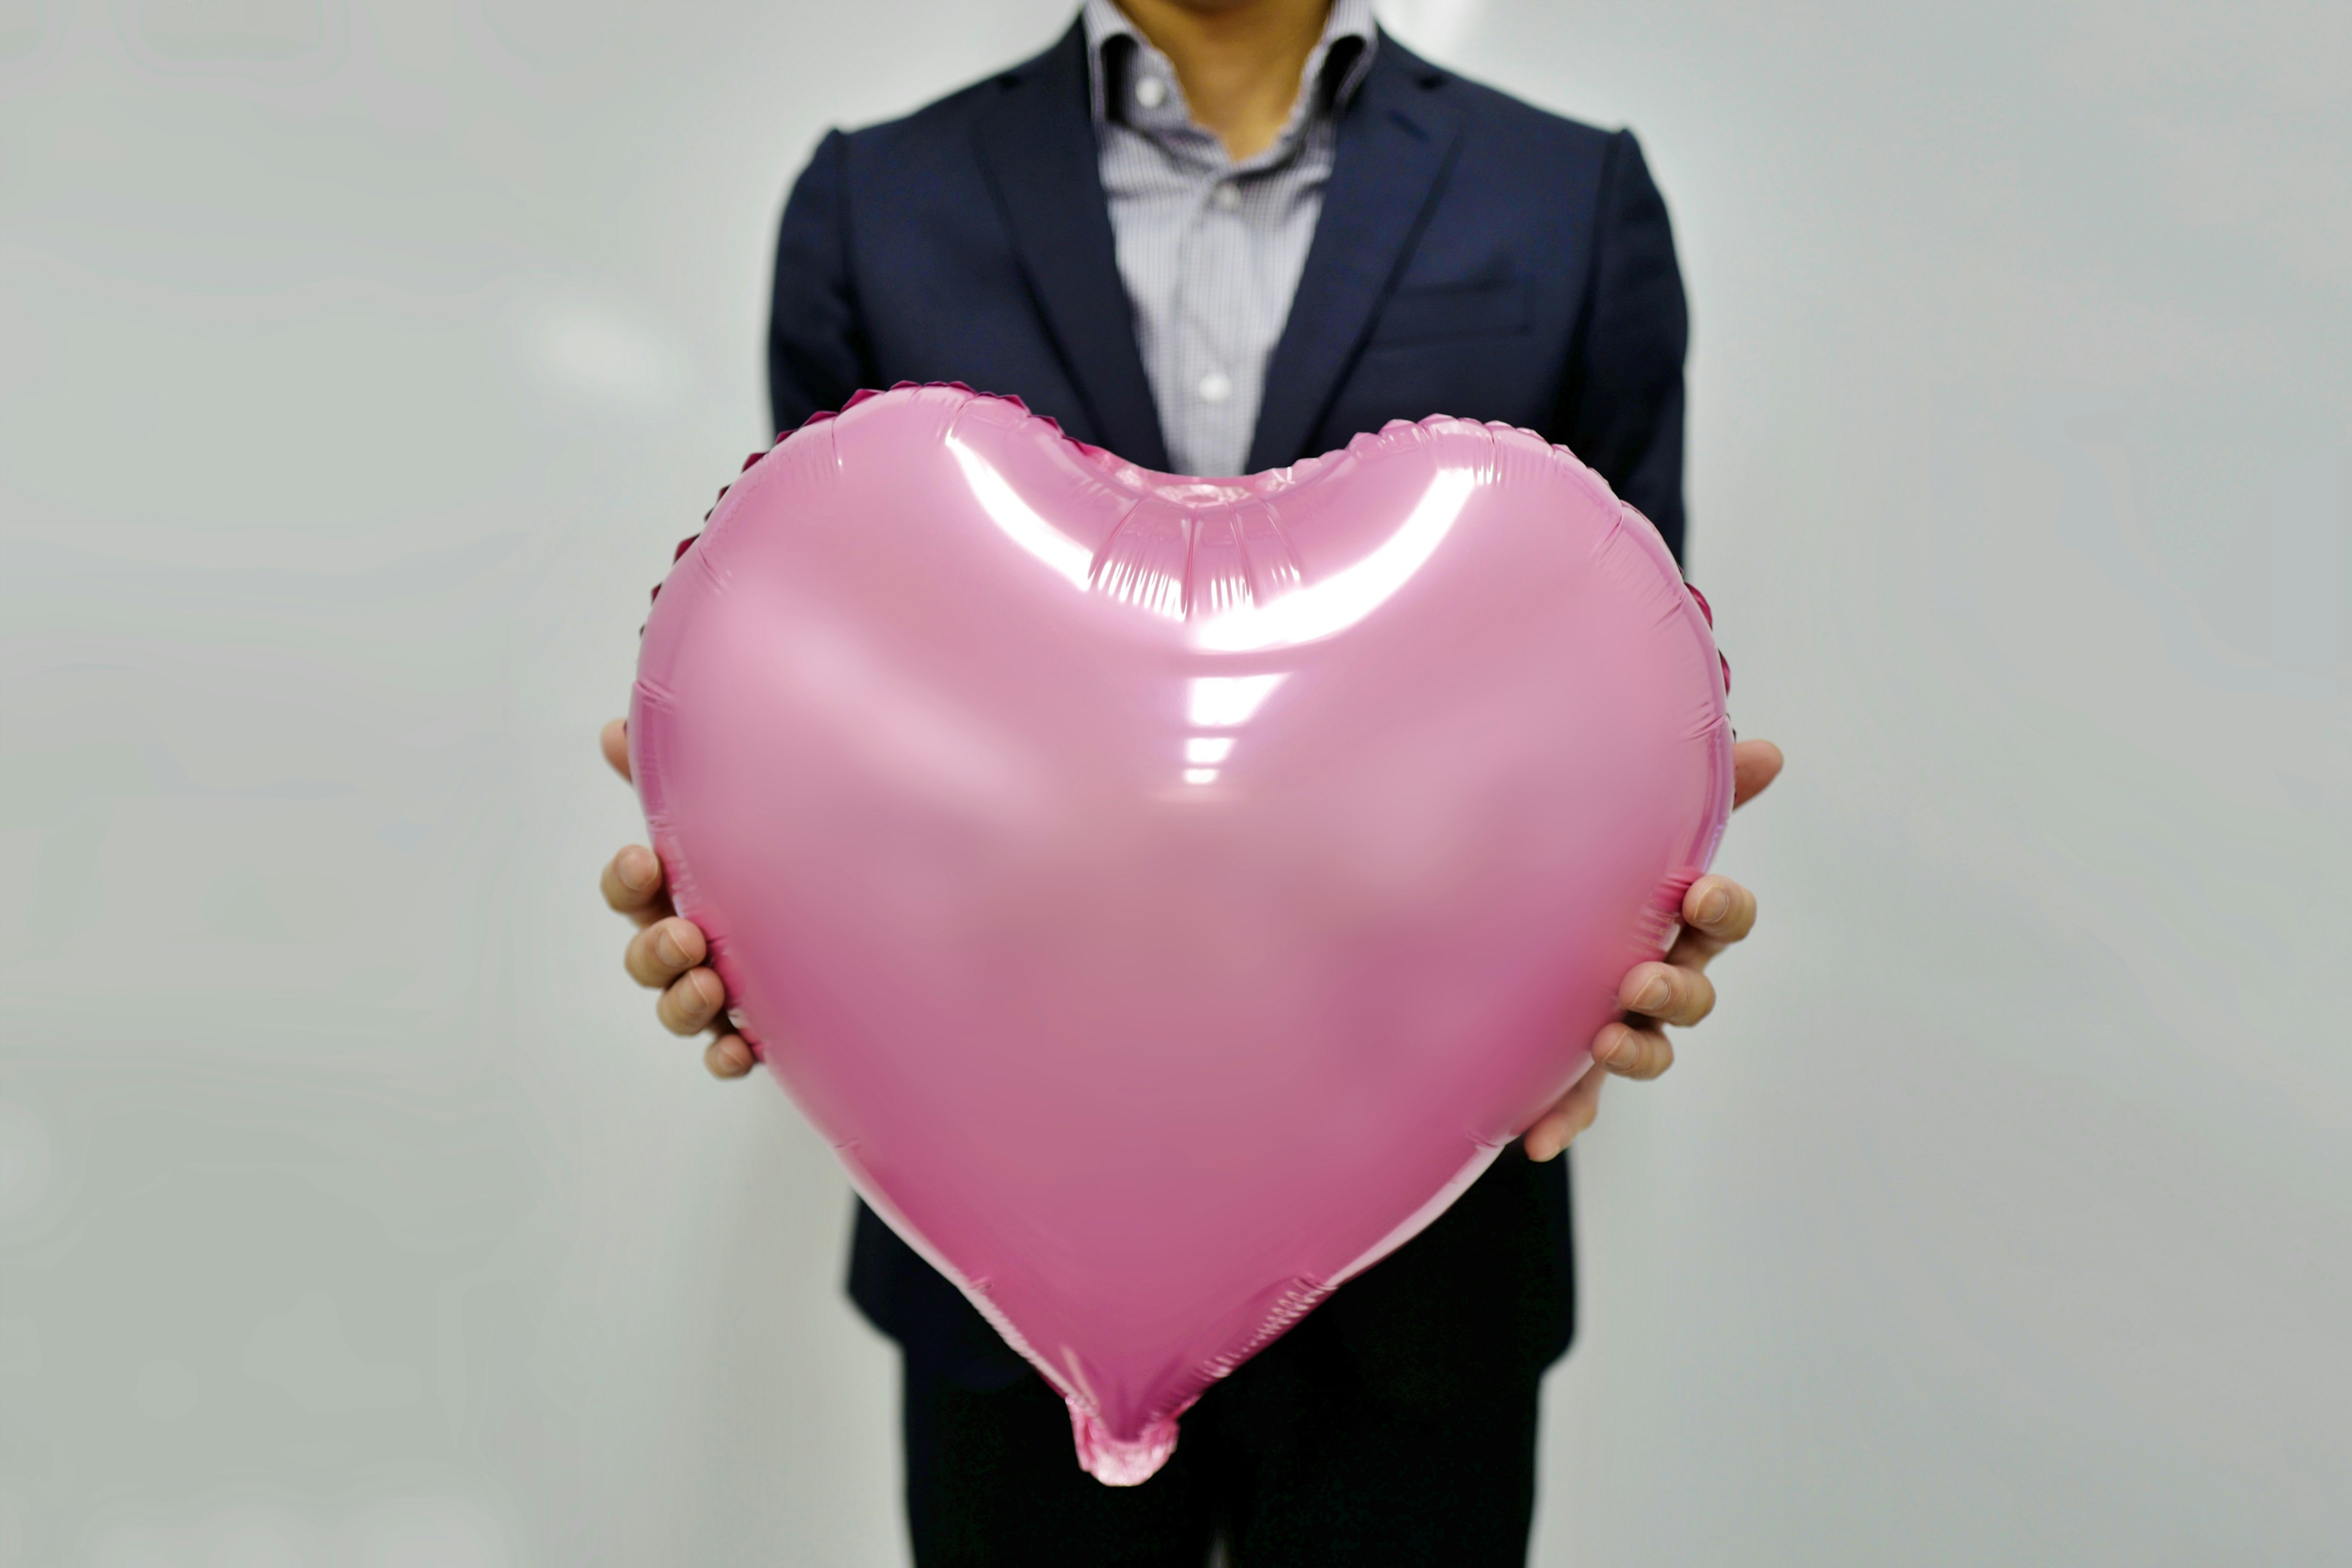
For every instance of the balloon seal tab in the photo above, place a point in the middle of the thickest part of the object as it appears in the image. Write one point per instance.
(1121, 1461)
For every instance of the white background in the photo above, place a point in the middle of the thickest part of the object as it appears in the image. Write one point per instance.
(361, 361)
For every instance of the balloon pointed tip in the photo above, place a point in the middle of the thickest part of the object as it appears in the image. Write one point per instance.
(1121, 1461)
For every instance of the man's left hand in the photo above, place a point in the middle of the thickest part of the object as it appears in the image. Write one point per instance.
(1717, 912)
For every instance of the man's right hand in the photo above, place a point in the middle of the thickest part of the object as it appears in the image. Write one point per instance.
(668, 952)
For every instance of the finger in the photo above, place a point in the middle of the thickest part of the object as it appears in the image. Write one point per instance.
(1630, 1052)
(1719, 908)
(1717, 912)
(1555, 1129)
(664, 950)
(692, 1001)
(632, 885)
(615, 740)
(728, 1057)
(1667, 992)
(1754, 764)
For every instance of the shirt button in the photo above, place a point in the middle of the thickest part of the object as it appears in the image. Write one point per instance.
(1215, 387)
(1228, 197)
(1151, 92)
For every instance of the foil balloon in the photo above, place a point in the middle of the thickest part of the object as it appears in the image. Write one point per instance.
(1168, 894)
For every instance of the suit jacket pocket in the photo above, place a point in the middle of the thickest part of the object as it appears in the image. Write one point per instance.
(1418, 313)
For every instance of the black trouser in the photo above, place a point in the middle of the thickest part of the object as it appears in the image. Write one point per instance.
(1291, 1461)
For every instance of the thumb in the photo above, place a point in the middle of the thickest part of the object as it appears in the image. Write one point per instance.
(1754, 764)
(615, 740)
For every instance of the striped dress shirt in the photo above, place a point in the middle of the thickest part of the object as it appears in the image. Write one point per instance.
(1210, 248)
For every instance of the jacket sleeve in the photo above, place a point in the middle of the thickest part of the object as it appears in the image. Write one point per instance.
(817, 353)
(1621, 400)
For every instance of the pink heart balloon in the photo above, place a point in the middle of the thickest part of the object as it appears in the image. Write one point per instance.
(1168, 894)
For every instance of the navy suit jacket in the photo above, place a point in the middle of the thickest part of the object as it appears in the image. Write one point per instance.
(1474, 257)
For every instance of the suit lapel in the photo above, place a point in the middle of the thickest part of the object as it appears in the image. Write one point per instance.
(1037, 143)
(1396, 140)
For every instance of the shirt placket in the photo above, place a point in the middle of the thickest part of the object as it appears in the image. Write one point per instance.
(1210, 307)
(1211, 362)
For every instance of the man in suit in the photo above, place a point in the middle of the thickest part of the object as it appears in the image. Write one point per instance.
(1217, 236)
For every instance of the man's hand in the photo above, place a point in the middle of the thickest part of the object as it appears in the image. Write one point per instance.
(667, 952)
(1717, 912)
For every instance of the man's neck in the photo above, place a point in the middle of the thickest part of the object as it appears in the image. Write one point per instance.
(1239, 62)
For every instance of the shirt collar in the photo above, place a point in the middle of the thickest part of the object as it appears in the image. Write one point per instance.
(1343, 58)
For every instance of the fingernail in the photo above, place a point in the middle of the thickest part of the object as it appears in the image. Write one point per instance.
(667, 949)
(1617, 1052)
(637, 874)
(1654, 997)
(1715, 906)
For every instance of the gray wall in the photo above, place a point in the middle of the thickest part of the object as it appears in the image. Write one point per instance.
(358, 364)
